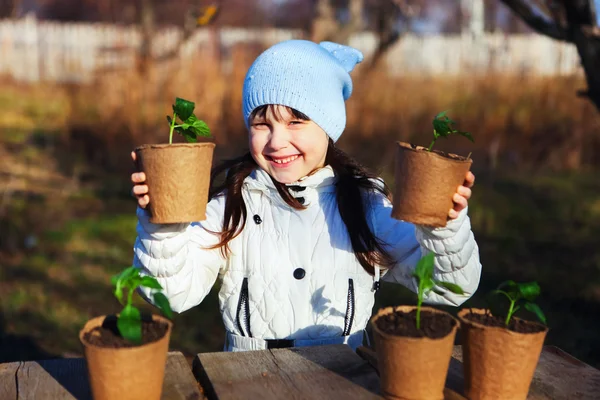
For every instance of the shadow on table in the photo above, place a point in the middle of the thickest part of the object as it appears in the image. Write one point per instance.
(19, 347)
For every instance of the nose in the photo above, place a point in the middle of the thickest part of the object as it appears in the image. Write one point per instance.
(279, 137)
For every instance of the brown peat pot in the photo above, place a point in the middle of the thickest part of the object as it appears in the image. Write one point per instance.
(178, 178)
(126, 372)
(425, 182)
(414, 367)
(499, 363)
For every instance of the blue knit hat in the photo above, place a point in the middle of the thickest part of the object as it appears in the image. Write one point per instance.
(311, 78)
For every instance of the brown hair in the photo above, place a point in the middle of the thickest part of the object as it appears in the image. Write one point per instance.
(353, 180)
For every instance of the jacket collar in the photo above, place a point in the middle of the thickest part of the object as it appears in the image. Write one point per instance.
(308, 187)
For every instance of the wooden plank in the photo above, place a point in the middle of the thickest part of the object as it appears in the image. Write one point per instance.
(7, 380)
(66, 379)
(179, 381)
(558, 375)
(561, 376)
(318, 372)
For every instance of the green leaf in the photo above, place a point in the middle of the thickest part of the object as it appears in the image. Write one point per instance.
(529, 290)
(150, 282)
(190, 137)
(534, 308)
(442, 114)
(122, 279)
(161, 301)
(134, 282)
(424, 268)
(454, 288)
(467, 135)
(183, 108)
(200, 128)
(130, 324)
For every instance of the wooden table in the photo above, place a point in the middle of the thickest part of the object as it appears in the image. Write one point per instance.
(300, 373)
(66, 378)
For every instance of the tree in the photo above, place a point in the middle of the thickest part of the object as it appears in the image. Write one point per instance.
(385, 16)
(573, 21)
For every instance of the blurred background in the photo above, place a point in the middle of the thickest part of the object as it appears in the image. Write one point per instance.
(83, 82)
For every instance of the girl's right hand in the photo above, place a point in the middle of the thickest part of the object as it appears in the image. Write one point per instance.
(140, 189)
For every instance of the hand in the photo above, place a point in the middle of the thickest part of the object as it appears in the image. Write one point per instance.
(462, 196)
(140, 189)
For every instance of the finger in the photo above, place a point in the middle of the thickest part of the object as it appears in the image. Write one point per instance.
(140, 190)
(138, 177)
(143, 201)
(133, 156)
(464, 192)
(452, 214)
(469, 179)
(460, 203)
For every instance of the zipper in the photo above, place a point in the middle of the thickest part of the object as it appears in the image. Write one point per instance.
(243, 311)
(349, 319)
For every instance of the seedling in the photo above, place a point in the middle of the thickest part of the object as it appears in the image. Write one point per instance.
(427, 283)
(523, 293)
(129, 321)
(442, 127)
(190, 127)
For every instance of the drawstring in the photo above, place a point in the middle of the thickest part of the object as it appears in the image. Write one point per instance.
(376, 280)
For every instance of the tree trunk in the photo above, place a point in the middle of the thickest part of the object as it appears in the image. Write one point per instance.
(588, 47)
(147, 31)
(572, 21)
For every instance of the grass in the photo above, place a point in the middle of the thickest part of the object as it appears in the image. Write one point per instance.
(67, 223)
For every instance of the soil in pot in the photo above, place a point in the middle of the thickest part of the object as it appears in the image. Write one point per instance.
(108, 335)
(400, 323)
(515, 325)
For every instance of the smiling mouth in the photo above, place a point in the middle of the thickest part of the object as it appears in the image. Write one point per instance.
(282, 161)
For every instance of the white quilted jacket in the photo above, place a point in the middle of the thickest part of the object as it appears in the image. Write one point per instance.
(292, 273)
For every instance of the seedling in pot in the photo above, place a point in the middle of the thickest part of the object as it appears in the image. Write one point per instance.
(190, 127)
(427, 283)
(443, 127)
(129, 321)
(518, 294)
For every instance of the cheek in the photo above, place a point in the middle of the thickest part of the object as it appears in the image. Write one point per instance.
(256, 144)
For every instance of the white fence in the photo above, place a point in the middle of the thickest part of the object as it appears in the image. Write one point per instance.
(32, 50)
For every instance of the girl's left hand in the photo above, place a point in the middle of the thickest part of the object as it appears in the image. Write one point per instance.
(462, 196)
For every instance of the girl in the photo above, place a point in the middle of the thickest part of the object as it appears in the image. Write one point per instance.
(299, 233)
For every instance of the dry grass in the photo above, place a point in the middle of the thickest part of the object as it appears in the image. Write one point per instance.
(516, 120)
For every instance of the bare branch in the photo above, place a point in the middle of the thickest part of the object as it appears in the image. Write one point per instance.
(537, 18)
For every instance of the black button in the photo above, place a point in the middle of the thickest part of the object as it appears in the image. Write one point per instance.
(297, 188)
(300, 199)
(299, 273)
(257, 219)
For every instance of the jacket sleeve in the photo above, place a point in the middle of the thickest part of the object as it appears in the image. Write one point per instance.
(454, 246)
(177, 255)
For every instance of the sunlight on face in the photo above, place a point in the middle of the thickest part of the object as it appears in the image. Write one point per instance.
(286, 147)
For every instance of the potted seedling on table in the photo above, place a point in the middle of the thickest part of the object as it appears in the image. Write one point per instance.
(414, 344)
(426, 179)
(178, 174)
(501, 351)
(126, 353)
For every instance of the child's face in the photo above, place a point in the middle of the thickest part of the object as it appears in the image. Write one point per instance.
(286, 147)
